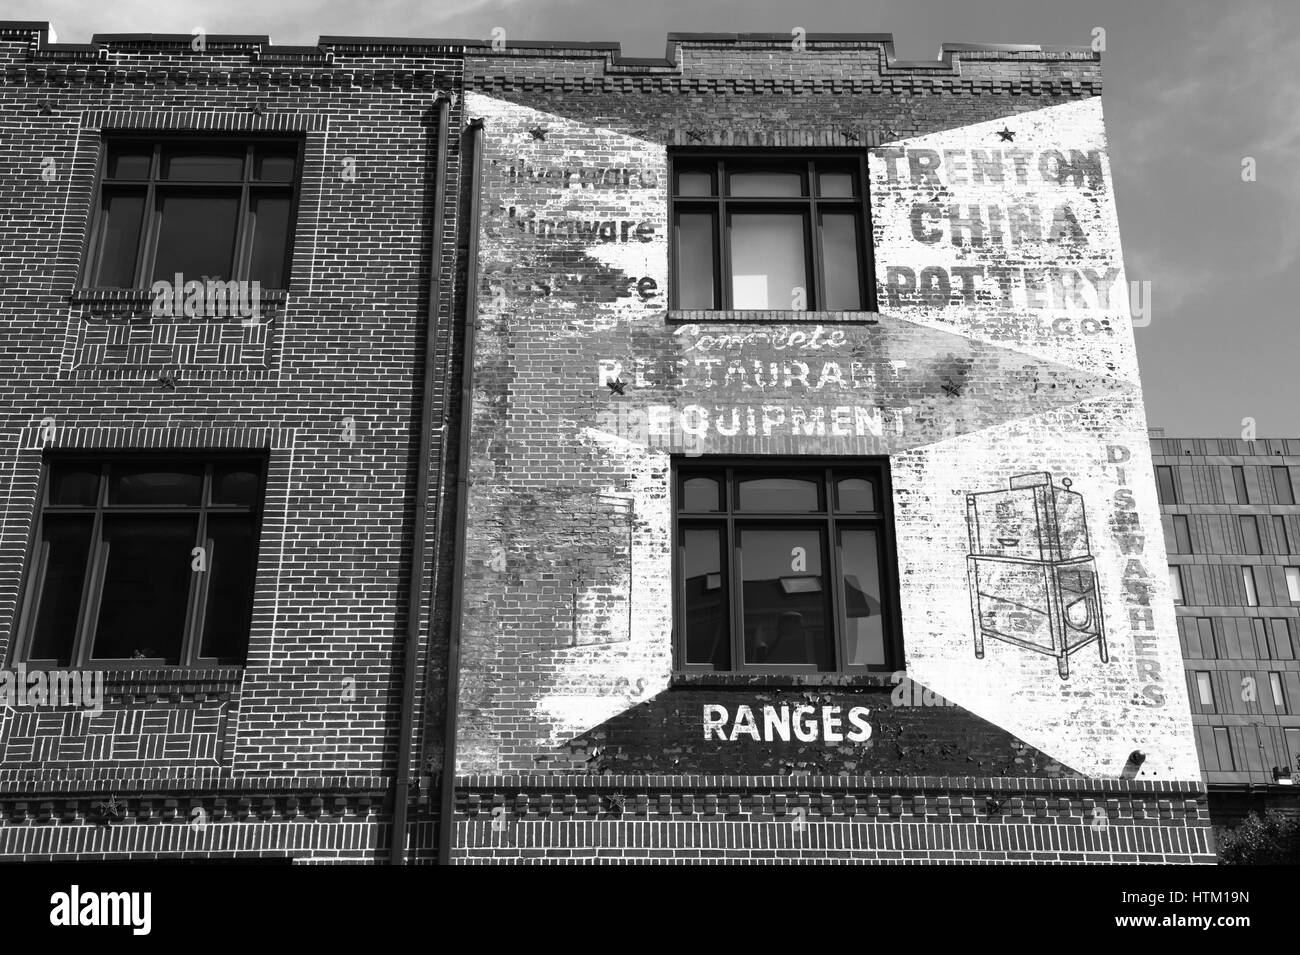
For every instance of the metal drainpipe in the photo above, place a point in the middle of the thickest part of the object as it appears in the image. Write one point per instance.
(405, 723)
(469, 181)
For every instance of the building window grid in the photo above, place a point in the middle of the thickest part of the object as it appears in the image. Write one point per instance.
(732, 521)
(155, 186)
(103, 510)
(722, 205)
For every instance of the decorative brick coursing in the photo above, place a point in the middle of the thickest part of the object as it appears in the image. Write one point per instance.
(816, 819)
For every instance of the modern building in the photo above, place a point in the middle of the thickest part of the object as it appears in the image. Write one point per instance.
(810, 506)
(1232, 528)
(220, 504)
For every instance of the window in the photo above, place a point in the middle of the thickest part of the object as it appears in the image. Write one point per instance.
(1282, 648)
(1279, 533)
(206, 209)
(1182, 535)
(1260, 633)
(1282, 485)
(1166, 489)
(1249, 533)
(1204, 689)
(1223, 749)
(1293, 583)
(1291, 739)
(117, 577)
(1279, 697)
(1205, 632)
(777, 233)
(786, 569)
(1239, 482)
(1248, 582)
(1176, 583)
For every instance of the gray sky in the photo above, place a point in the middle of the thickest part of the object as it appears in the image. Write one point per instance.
(1192, 87)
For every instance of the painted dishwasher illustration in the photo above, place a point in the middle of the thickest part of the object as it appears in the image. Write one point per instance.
(1033, 583)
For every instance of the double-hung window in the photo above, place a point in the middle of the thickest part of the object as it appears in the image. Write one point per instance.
(778, 233)
(785, 567)
(208, 210)
(141, 560)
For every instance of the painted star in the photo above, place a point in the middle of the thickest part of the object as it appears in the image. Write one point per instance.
(615, 385)
(538, 132)
(1006, 135)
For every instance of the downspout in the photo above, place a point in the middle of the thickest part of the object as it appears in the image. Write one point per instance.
(415, 586)
(469, 182)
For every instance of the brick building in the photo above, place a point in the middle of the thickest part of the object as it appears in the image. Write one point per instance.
(807, 500)
(1230, 521)
(218, 517)
(810, 507)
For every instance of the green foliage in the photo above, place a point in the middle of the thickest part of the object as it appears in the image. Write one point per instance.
(1272, 840)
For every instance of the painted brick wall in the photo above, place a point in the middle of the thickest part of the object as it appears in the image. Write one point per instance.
(314, 712)
(985, 360)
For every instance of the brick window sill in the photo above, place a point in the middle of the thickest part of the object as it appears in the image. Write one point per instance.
(769, 317)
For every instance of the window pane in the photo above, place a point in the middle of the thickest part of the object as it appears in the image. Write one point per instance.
(1279, 533)
(235, 484)
(1204, 690)
(232, 568)
(276, 164)
(270, 239)
(1205, 631)
(1239, 483)
(1293, 583)
(74, 484)
(196, 237)
(701, 494)
(835, 185)
(129, 162)
(855, 494)
(864, 626)
(119, 239)
(1292, 737)
(696, 258)
(1261, 639)
(1282, 648)
(785, 598)
(1223, 747)
(1249, 533)
(705, 599)
(768, 260)
(66, 542)
(146, 587)
(1165, 483)
(1182, 534)
(208, 164)
(150, 484)
(1176, 583)
(840, 261)
(766, 184)
(1248, 582)
(1275, 684)
(789, 495)
(1282, 485)
(694, 183)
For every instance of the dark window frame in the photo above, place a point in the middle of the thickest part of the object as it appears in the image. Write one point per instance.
(1183, 534)
(147, 246)
(722, 206)
(92, 582)
(1166, 490)
(828, 520)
